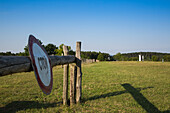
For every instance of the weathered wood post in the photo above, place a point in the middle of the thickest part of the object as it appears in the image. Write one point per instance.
(62, 55)
(79, 73)
(73, 77)
(65, 78)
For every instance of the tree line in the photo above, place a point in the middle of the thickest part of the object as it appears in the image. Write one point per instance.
(52, 49)
(148, 56)
(96, 55)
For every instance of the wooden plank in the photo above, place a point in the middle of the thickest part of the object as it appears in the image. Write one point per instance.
(61, 60)
(17, 64)
(65, 78)
(79, 73)
(73, 75)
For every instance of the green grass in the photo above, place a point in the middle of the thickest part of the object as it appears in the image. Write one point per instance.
(132, 87)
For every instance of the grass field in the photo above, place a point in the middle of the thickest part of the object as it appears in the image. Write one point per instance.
(131, 87)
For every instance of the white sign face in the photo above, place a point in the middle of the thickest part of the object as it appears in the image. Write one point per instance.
(42, 64)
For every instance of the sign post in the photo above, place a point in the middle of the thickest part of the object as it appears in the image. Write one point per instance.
(41, 65)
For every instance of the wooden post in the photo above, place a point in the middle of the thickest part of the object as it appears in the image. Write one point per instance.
(62, 55)
(65, 78)
(73, 75)
(79, 73)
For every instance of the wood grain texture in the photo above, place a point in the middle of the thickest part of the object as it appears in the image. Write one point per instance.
(79, 73)
(17, 64)
(73, 74)
(65, 77)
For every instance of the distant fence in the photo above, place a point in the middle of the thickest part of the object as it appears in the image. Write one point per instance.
(89, 60)
(17, 64)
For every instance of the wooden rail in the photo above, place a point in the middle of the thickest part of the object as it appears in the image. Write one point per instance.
(17, 64)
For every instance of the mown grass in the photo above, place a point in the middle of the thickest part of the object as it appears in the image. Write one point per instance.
(132, 87)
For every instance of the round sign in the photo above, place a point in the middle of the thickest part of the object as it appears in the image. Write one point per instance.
(41, 65)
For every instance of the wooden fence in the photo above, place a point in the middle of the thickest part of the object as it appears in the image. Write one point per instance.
(17, 64)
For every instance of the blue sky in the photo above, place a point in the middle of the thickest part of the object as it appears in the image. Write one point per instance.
(110, 26)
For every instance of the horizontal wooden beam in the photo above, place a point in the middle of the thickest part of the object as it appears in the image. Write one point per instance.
(17, 64)
(61, 60)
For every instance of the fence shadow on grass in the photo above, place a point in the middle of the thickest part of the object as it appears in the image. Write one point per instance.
(141, 100)
(135, 92)
(16, 106)
(112, 94)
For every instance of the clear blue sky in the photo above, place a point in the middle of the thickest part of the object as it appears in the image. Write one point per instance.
(110, 26)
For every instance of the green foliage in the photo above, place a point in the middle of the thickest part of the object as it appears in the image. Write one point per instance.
(95, 55)
(133, 58)
(124, 58)
(26, 51)
(50, 48)
(101, 57)
(89, 55)
(8, 53)
(71, 52)
(59, 51)
(154, 58)
(167, 58)
(118, 57)
(21, 54)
